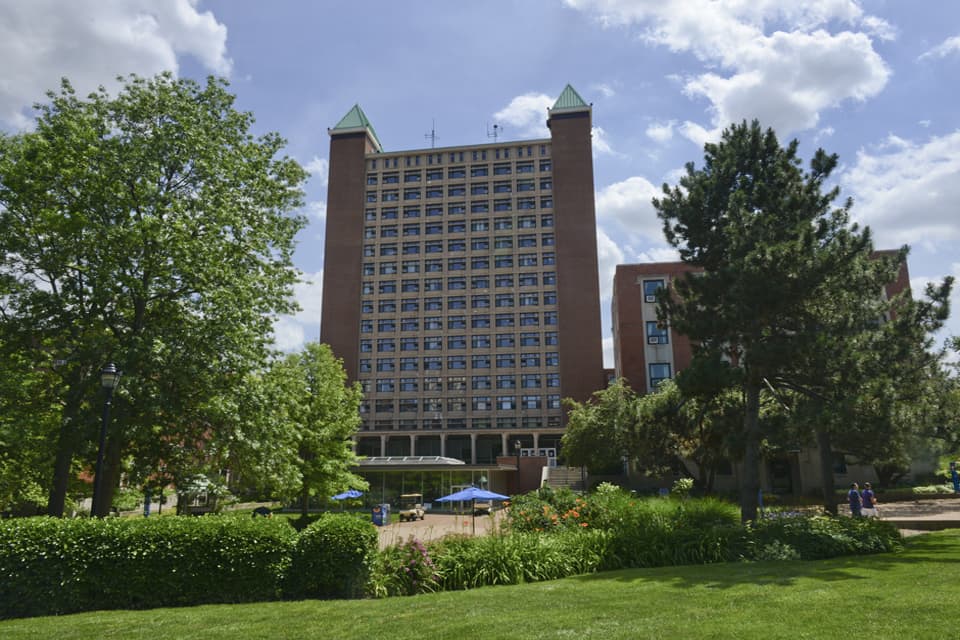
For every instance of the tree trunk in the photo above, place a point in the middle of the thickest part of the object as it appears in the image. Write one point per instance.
(61, 468)
(66, 442)
(750, 475)
(826, 471)
(305, 500)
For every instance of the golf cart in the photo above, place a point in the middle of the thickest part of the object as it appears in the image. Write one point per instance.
(411, 507)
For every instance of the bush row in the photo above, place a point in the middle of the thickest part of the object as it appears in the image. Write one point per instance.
(53, 566)
(557, 534)
(50, 566)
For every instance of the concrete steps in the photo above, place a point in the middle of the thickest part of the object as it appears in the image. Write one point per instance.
(563, 477)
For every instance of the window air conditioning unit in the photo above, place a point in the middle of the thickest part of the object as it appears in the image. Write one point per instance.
(650, 298)
(653, 339)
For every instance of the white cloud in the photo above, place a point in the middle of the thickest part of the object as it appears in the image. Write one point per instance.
(601, 144)
(605, 90)
(288, 335)
(942, 50)
(527, 114)
(319, 169)
(785, 79)
(290, 332)
(658, 254)
(629, 204)
(908, 192)
(661, 132)
(608, 360)
(826, 132)
(609, 255)
(91, 42)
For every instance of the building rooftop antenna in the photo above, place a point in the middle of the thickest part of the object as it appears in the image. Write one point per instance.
(497, 130)
(432, 136)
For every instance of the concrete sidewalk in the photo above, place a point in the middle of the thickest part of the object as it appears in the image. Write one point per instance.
(437, 525)
(917, 516)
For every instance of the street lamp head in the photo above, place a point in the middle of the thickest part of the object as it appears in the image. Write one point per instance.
(516, 446)
(109, 376)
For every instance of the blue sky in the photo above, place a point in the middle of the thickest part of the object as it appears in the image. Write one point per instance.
(874, 81)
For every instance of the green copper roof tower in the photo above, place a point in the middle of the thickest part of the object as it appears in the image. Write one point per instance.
(569, 100)
(356, 120)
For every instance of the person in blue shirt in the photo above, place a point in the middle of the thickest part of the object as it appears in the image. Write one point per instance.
(869, 501)
(856, 501)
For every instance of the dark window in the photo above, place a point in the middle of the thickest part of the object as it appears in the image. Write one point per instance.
(650, 288)
(659, 371)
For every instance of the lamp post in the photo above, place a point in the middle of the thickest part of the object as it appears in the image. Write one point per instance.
(516, 450)
(109, 379)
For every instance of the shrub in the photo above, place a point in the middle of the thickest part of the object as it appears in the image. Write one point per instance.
(127, 499)
(817, 537)
(777, 550)
(464, 562)
(404, 570)
(332, 558)
(681, 488)
(53, 566)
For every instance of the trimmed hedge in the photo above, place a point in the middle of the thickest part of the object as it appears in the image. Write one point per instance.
(51, 566)
(332, 558)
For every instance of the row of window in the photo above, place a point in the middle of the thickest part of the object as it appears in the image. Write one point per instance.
(504, 422)
(459, 245)
(460, 188)
(459, 383)
(456, 343)
(436, 265)
(503, 223)
(435, 158)
(454, 209)
(476, 403)
(453, 303)
(460, 172)
(483, 206)
(478, 341)
(477, 321)
(459, 362)
(459, 283)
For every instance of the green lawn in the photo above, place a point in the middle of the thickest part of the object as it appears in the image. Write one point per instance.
(913, 594)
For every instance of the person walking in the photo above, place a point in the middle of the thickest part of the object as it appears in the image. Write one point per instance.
(856, 501)
(869, 499)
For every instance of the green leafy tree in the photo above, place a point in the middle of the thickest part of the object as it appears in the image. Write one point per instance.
(29, 416)
(597, 431)
(151, 229)
(654, 431)
(326, 415)
(862, 386)
(767, 238)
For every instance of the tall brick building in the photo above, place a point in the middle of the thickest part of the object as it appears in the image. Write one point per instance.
(645, 351)
(461, 288)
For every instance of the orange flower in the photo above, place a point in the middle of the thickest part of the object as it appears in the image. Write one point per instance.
(583, 524)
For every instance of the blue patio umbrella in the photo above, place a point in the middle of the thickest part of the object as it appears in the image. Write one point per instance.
(347, 495)
(473, 494)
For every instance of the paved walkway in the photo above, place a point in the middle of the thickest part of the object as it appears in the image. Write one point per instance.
(921, 515)
(437, 525)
